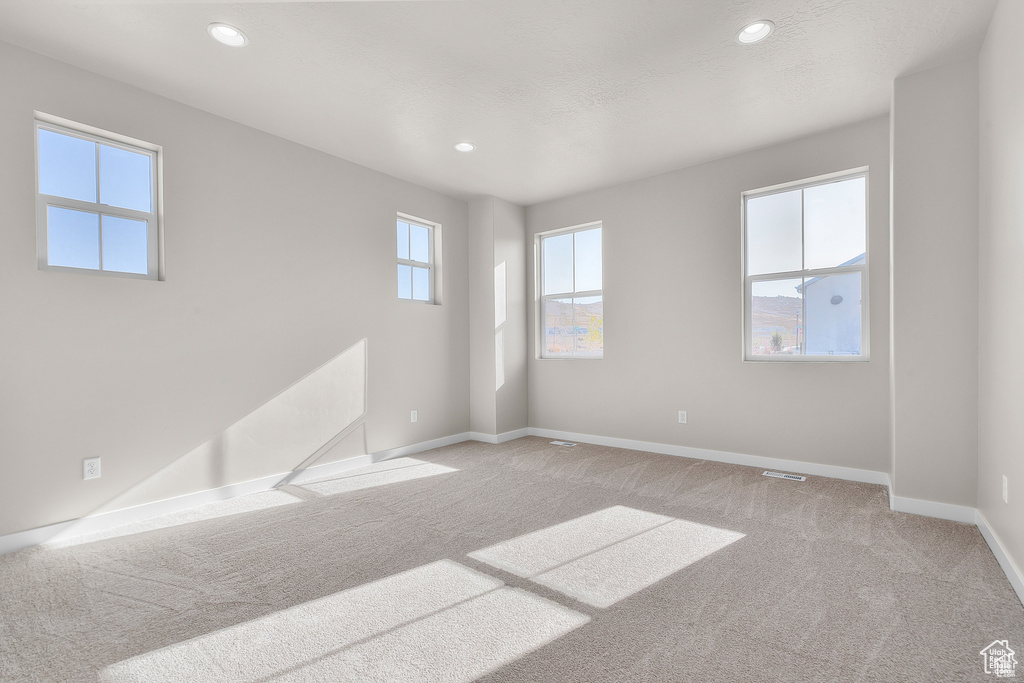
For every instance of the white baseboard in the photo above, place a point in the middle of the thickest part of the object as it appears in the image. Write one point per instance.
(929, 508)
(796, 466)
(957, 513)
(115, 518)
(107, 520)
(1010, 568)
(482, 436)
(32, 537)
(422, 446)
(499, 438)
(325, 470)
(513, 435)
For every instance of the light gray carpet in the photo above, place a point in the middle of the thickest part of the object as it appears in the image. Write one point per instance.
(522, 562)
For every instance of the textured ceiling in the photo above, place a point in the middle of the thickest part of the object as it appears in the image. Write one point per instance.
(559, 95)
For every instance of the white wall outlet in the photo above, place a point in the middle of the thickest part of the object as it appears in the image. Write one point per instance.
(91, 468)
(682, 417)
(414, 415)
(1006, 490)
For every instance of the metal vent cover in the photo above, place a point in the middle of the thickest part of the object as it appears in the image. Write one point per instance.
(780, 475)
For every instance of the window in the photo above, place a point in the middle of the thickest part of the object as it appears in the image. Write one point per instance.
(805, 270)
(416, 259)
(571, 303)
(96, 202)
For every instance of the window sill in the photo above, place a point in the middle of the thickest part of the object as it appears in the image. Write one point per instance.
(809, 359)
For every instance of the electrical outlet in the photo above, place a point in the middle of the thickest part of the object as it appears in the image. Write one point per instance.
(682, 417)
(91, 468)
(1006, 490)
(414, 415)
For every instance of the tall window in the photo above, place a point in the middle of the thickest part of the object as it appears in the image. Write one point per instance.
(96, 202)
(806, 270)
(415, 259)
(572, 306)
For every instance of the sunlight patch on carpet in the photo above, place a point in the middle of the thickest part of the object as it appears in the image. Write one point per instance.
(533, 553)
(606, 556)
(378, 474)
(438, 622)
(221, 508)
(459, 644)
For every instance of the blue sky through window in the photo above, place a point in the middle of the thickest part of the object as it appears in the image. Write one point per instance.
(67, 166)
(124, 245)
(107, 177)
(125, 179)
(588, 260)
(73, 238)
(404, 282)
(822, 226)
(414, 245)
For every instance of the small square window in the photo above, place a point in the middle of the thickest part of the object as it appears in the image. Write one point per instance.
(96, 202)
(416, 259)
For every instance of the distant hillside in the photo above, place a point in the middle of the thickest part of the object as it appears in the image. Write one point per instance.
(770, 314)
(565, 331)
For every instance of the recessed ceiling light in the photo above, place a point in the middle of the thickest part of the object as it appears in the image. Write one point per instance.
(465, 146)
(229, 35)
(755, 32)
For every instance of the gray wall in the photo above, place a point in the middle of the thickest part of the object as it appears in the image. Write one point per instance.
(497, 238)
(673, 322)
(278, 259)
(482, 397)
(510, 249)
(935, 283)
(1001, 401)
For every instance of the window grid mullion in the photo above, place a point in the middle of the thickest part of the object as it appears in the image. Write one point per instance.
(136, 147)
(817, 272)
(98, 139)
(90, 207)
(803, 235)
(101, 241)
(793, 187)
(572, 308)
(804, 274)
(413, 264)
(802, 325)
(99, 247)
(572, 301)
(97, 146)
(801, 330)
(545, 298)
(572, 295)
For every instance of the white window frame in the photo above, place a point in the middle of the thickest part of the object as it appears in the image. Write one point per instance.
(543, 298)
(153, 218)
(433, 230)
(861, 268)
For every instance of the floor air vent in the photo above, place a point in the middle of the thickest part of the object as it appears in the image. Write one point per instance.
(780, 475)
(563, 443)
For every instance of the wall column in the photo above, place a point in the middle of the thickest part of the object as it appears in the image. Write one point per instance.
(497, 304)
(934, 310)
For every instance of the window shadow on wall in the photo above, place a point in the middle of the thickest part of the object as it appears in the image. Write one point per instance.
(318, 419)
